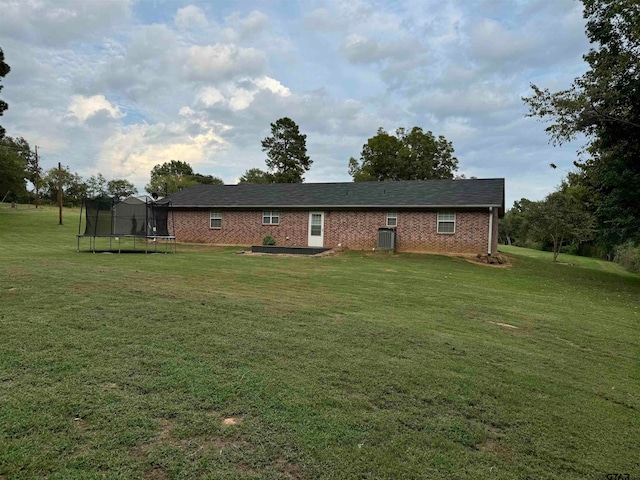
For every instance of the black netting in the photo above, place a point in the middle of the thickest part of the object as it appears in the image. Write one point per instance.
(134, 216)
(158, 215)
(98, 216)
(130, 217)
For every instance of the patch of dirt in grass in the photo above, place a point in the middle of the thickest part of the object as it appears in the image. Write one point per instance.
(288, 469)
(80, 424)
(195, 446)
(155, 473)
(232, 420)
(111, 386)
(497, 448)
(166, 429)
(16, 273)
(492, 444)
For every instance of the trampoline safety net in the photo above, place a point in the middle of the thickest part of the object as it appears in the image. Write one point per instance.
(134, 216)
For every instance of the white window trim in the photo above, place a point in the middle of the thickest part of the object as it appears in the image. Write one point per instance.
(271, 214)
(215, 215)
(447, 220)
(393, 215)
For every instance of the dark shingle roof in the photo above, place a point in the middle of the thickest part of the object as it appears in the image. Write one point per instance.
(407, 194)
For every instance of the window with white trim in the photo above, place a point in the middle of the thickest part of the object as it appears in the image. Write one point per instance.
(215, 219)
(392, 219)
(270, 217)
(446, 222)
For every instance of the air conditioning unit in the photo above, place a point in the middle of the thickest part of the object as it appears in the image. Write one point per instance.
(386, 238)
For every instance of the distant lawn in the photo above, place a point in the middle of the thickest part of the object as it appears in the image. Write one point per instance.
(208, 364)
(564, 259)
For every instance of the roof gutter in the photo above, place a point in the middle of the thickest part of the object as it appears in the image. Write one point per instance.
(384, 206)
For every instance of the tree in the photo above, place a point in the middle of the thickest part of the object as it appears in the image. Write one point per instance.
(96, 185)
(604, 106)
(560, 219)
(121, 189)
(33, 173)
(413, 155)
(255, 175)
(173, 176)
(4, 70)
(74, 189)
(170, 177)
(286, 149)
(513, 229)
(206, 179)
(14, 156)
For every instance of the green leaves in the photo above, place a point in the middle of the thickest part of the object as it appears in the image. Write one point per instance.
(15, 155)
(604, 106)
(413, 155)
(561, 219)
(4, 69)
(286, 150)
(255, 175)
(173, 176)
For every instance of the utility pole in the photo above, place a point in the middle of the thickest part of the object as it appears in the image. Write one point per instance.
(60, 192)
(37, 179)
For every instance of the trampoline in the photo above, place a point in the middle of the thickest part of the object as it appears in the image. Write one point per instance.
(142, 219)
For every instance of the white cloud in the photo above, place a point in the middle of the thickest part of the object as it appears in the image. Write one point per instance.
(190, 17)
(245, 27)
(134, 150)
(273, 85)
(359, 49)
(321, 19)
(222, 61)
(210, 96)
(84, 107)
(493, 41)
(61, 22)
(255, 22)
(240, 96)
(476, 99)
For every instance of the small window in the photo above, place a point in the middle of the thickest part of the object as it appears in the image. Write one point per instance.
(270, 217)
(216, 219)
(392, 219)
(446, 222)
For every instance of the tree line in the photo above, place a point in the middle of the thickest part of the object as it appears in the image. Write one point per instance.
(18, 166)
(603, 105)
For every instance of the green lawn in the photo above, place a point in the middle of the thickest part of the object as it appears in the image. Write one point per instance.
(349, 366)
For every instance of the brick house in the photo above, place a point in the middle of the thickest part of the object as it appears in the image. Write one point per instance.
(458, 216)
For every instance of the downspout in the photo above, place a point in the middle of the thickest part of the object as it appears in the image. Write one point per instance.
(490, 231)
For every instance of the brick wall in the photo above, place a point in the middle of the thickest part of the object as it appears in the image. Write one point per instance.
(357, 230)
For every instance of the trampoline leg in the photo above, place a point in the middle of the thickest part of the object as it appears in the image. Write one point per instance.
(118, 244)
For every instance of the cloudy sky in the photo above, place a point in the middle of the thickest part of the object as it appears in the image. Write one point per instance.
(118, 86)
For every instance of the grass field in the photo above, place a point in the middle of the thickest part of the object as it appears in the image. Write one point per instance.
(208, 364)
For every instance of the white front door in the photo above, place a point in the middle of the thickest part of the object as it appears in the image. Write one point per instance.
(316, 229)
